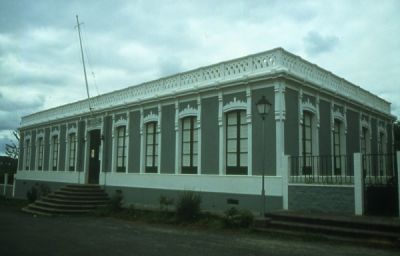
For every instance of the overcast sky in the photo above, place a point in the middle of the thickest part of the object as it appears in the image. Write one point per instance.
(129, 42)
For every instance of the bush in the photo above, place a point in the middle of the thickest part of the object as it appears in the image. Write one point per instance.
(188, 207)
(115, 203)
(37, 191)
(235, 218)
(32, 194)
(165, 202)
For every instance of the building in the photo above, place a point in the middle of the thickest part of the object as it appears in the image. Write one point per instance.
(8, 167)
(200, 130)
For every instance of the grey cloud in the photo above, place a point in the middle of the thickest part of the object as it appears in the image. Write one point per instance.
(9, 120)
(21, 103)
(316, 43)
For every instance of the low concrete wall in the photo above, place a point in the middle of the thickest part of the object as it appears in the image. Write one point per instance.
(322, 198)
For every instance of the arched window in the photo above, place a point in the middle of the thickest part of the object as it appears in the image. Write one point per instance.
(54, 152)
(236, 142)
(121, 148)
(382, 153)
(27, 154)
(151, 147)
(339, 147)
(40, 150)
(307, 142)
(72, 152)
(189, 145)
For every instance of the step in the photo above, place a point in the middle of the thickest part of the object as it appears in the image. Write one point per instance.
(68, 206)
(67, 201)
(346, 222)
(82, 189)
(334, 230)
(44, 209)
(83, 186)
(83, 193)
(34, 212)
(79, 196)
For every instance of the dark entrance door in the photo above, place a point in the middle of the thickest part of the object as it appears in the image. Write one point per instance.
(94, 161)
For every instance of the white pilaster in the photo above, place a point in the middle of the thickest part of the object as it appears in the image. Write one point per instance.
(159, 139)
(86, 153)
(280, 112)
(177, 144)
(199, 135)
(221, 156)
(358, 185)
(127, 129)
(142, 149)
(249, 132)
(398, 180)
(113, 146)
(285, 182)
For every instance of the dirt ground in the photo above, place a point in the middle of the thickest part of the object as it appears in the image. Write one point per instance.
(24, 234)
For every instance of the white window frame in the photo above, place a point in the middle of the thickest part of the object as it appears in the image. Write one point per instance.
(382, 150)
(39, 136)
(337, 116)
(365, 125)
(151, 117)
(27, 153)
(71, 131)
(125, 148)
(235, 105)
(54, 133)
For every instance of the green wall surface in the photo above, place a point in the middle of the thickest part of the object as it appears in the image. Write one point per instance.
(134, 142)
(209, 136)
(168, 139)
(270, 134)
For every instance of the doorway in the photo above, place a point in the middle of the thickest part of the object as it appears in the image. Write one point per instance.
(94, 161)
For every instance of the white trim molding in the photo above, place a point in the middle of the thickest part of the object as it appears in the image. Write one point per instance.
(151, 117)
(188, 111)
(234, 105)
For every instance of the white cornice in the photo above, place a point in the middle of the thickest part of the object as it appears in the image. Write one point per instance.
(257, 66)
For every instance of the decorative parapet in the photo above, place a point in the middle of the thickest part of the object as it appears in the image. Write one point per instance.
(266, 63)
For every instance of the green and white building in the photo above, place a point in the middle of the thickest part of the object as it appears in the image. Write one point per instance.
(200, 130)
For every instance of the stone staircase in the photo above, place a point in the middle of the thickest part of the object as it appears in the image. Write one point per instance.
(69, 200)
(348, 228)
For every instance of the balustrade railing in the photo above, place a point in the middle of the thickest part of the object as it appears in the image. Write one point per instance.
(379, 169)
(334, 170)
(276, 60)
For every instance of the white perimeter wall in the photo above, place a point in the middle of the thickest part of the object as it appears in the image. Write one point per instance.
(249, 185)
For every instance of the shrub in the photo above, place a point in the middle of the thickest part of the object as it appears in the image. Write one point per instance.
(32, 194)
(235, 218)
(37, 191)
(188, 207)
(115, 203)
(44, 190)
(165, 202)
